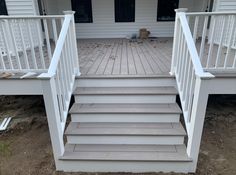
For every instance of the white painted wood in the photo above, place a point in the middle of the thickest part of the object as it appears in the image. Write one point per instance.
(20, 87)
(197, 121)
(53, 116)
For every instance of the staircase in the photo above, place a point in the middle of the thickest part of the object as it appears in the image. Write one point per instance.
(131, 127)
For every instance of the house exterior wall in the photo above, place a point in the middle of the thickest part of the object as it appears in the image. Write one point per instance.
(22, 7)
(225, 5)
(104, 25)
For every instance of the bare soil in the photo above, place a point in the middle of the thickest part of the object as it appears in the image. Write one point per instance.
(25, 148)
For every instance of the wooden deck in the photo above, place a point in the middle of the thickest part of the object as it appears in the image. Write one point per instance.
(122, 57)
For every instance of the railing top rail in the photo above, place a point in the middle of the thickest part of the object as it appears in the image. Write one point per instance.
(191, 45)
(210, 13)
(59, 46)
(32, 17)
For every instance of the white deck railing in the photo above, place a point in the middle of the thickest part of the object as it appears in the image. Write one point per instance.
(191, 83)
(27, 42)
(215, 36)
(58, 82)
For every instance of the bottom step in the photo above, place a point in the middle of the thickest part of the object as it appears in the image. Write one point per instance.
(126, 152)
(125, 158)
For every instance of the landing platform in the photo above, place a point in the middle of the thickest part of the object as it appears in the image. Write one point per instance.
(124, 57)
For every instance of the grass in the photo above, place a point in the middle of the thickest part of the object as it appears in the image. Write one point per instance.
(5, 149)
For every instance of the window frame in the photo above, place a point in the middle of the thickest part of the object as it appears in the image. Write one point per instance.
(159, 15)
(74, 7)
(116, 18)
(5, 8)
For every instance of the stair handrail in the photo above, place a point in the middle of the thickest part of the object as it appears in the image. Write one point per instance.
(192, 84)
(58, 82)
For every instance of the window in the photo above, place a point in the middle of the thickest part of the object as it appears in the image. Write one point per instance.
(165, 10)
(124, 10)
(3, 8)
(83, 11)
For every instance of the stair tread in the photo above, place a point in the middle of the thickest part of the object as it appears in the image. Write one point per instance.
(125, 152)
(125, 90)
(78, 108)
(125, 129)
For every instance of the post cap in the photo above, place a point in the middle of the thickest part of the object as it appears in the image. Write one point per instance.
(181, 10)
(69, 12)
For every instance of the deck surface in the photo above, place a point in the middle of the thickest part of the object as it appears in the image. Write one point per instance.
(109, 57)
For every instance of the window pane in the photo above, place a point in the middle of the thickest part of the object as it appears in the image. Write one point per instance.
(83, 11)
(3, 8)
(165, 10)
(124, 10)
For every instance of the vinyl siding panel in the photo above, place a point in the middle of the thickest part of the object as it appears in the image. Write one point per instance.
(226, 5)
(103, 25)
(22, 7)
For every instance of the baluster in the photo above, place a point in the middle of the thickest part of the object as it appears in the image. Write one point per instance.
(187, 77)
(212, 40)
(47, 39)
(39, 34)
(182, 69)
(65, 71)
(24, 45)
(184, 74)
(231, 38)
(59, 96)
(70, 64)
(5, 40)
(15, 48)
(32, 45)
(65, 67)
(70, 54)
(202, 49)
(54, 26)
(221, 43)
(195, 30)
(63, 86)
(2, 61)
(191, 95)
(180, 51)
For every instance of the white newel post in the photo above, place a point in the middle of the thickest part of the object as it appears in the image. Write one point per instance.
(73, 34)
(53, 116)
(176, 41)
(197, 120)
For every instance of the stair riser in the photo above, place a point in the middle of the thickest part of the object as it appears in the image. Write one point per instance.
(142, 140)
(128, 118)
(125, 98)
(125, 82)
(123, 166)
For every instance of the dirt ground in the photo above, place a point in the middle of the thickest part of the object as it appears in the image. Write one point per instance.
(25, 148)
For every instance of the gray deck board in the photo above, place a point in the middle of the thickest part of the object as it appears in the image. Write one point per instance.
(125, 90)
(126, 152)
(118, 129)
(126, 108)
(123, 57)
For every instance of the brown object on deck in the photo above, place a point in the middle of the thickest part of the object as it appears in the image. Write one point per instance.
(144, 33)
(6, 75)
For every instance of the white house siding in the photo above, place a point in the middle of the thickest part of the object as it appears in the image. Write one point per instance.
(103, 25)
(225, 5)
(22, 7)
